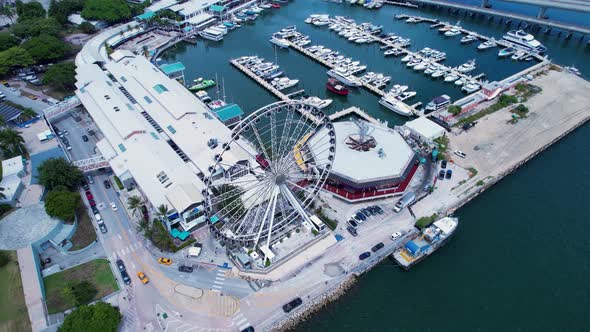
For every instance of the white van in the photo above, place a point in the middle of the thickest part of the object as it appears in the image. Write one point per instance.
(407, 199)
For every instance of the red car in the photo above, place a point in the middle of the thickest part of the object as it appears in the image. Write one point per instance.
(92, 202)
(89, 195)
(275, 5)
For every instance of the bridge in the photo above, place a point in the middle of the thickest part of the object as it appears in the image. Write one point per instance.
(62, 107)
(572, 5)
(91, 164)
(570, 28)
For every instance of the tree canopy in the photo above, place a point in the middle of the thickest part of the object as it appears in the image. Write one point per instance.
(7, 40)
(61, 76)
(55, 172)
(62, 204)
(87, 27)
(60, 10)
(12, 143)
(35, 27)
(100, 317)
(14, 57)
(29, 10)
(77, 293)
(111, 11)
(46, 48)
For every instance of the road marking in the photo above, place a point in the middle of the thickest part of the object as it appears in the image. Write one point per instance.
(132, 265)
(217, 286)
(216, 290)
(241, 321)
(218, 278)
(218, 282)
(244, 326)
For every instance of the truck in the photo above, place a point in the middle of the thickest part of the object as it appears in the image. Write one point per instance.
(195, 250)
(407, 199)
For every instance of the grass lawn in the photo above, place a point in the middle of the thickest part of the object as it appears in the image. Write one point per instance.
(85, 233)
(13, 310)
(97, 272)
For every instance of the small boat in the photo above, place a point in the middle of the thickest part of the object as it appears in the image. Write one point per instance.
(280, 42)
(318, 102)
(275, 5)
(406, 95)
(468, 39)
(506, 52)
(573, 70)
(471, 87)
(421, 66)
(487, 44)
(451, 78)
(407, 58)
(467, 66)
(202, 84)
(460, 81)
(336, 87)
(518, 55)
(438, 73)
(453, 32)
(431, 69)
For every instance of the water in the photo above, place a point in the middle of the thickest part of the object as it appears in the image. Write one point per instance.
(520, 258)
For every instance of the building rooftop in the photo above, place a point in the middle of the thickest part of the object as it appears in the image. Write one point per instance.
(9, 112)
(12, 166)
(171, 68)
(389, 157)
(425, 127)
(228, 112)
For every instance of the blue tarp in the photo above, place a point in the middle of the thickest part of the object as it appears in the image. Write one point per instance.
(183, 235)
(412, 247)
(175, 233)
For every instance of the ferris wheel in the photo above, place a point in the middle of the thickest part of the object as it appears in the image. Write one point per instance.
(290, 147)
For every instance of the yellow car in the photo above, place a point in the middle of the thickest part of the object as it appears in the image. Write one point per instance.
(143, 278)
(165, 261)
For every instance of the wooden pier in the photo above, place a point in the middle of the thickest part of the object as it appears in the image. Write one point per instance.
(356, 111)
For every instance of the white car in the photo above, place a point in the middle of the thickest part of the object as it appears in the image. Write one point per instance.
(113, 206)
(396, 235)
(460, 153)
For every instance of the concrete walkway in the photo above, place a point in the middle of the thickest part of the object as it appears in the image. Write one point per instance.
(32, 288)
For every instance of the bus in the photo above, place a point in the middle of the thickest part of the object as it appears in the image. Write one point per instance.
(317, 223)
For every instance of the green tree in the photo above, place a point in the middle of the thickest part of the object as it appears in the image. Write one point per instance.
(134, 203)
(62, 204)
(78, 293)
(454, 109)
(12, 143)
(55, 172)
(29, 10)
(60, 10)
(162, 211)
(13, 58)
(7, 40)
(100, 317)
(47, 48)
(37, 26)
(111, 11)
(29, 112)
(61, 76)
(8, 11)
(87, 28)
(4, 258)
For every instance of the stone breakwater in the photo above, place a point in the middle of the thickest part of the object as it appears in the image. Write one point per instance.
(310, 307)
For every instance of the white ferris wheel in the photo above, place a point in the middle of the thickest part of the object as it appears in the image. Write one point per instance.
(290, 156)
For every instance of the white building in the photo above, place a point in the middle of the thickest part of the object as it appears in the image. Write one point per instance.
(424, 129)
(11, 185)
(157, 134)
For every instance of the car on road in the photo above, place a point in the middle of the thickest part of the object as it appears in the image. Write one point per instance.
(85, 185)
(443, 164)
(164, 260)
(94, 210)
(6, 84)
(33, 97)
(248, 329)
(121, 265)
(102, 227)
(396, 235)
(352, 231)
(441, 175)
(460, 153)
(85, 138)
(361, 216)
(364, 255)
(352, 223)
(90, 179)
(185, 268)
(449, 174)
(66, 132)
(126, 278)
(89, 194)
(377, 247)
(92, 203)
(292, 305)
(143, 278)
(107, 184)
(113, 206)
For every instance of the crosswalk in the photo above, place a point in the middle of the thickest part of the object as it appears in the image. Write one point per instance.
(130, 319)
(122, 252)
(219, 280)
(240, 320)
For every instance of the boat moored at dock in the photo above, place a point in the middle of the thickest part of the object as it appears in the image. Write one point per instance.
(525, 40)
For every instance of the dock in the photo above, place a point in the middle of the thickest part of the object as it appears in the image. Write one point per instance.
(356, 111)
(401, 4)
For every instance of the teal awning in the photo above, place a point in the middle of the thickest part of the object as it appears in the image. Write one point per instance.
(217, 8)
(228, 112)
(171, 68)
(175, 233)
(182, 236)
(145, 16)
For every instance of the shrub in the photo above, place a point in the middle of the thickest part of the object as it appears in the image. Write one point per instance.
(4, 258)
(454, 109)
(425, 221)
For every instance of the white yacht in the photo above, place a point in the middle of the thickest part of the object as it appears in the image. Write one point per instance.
(451, 78)
(280, 42)
(471, 87)
(487, 44)
(211, 34)
(406, 95)
(468, 39)
(344, 76)
(460, 81)
(318, 102)
(526, 40)
(467, 66)
(421, 66)
(395, 105)
(438, 73)
(453, 32)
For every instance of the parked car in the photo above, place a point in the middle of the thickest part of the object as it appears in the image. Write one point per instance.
(142, 277)
(377, 247)
(449, 174)
(90, 179)
(89, 195)
(102, 227)
(469, 125)
(248, 329)
(107, 184)
(352, 231)
(85, 185)
(361, 216)
(396, 235)
(443, 164)
(352, 223)
(6, 84)
(292, 305)
(185, 268)
(92, 203)
(164, 260)
(121, 265)
(113, 206)
(441, 174)
(460, 153)
(85, 138)
(94, 210)
(125, 277)
(364, 255)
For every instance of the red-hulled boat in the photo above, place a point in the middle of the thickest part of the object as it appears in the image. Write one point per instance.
(275, 5)
(335, 86)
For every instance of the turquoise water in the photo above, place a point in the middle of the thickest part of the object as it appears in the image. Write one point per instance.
(519, 261)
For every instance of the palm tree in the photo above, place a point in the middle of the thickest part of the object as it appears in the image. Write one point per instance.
(11, 142)
(162, 211)
(134, 203)
(2, 196)
(8, 11)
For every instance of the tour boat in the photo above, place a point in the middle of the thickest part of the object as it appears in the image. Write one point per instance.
(438, 103)
(526, 40)
(336, 87)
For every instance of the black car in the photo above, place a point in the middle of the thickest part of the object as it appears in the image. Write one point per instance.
(352, 231)
(469, 125)
(102, 227)
(449, 173)
(85, 185)
(441, 175)
(364, 255)
(443, 164)
(378, 246)
(379, 209)
(366, 212)
(120, 265)
(248, 329)
(185, 268)
(85, 138)
(94, 210)
(361, 216)
(107, 184)
(292, 305)
(125, 277)
(65, 140)
(352, 223)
